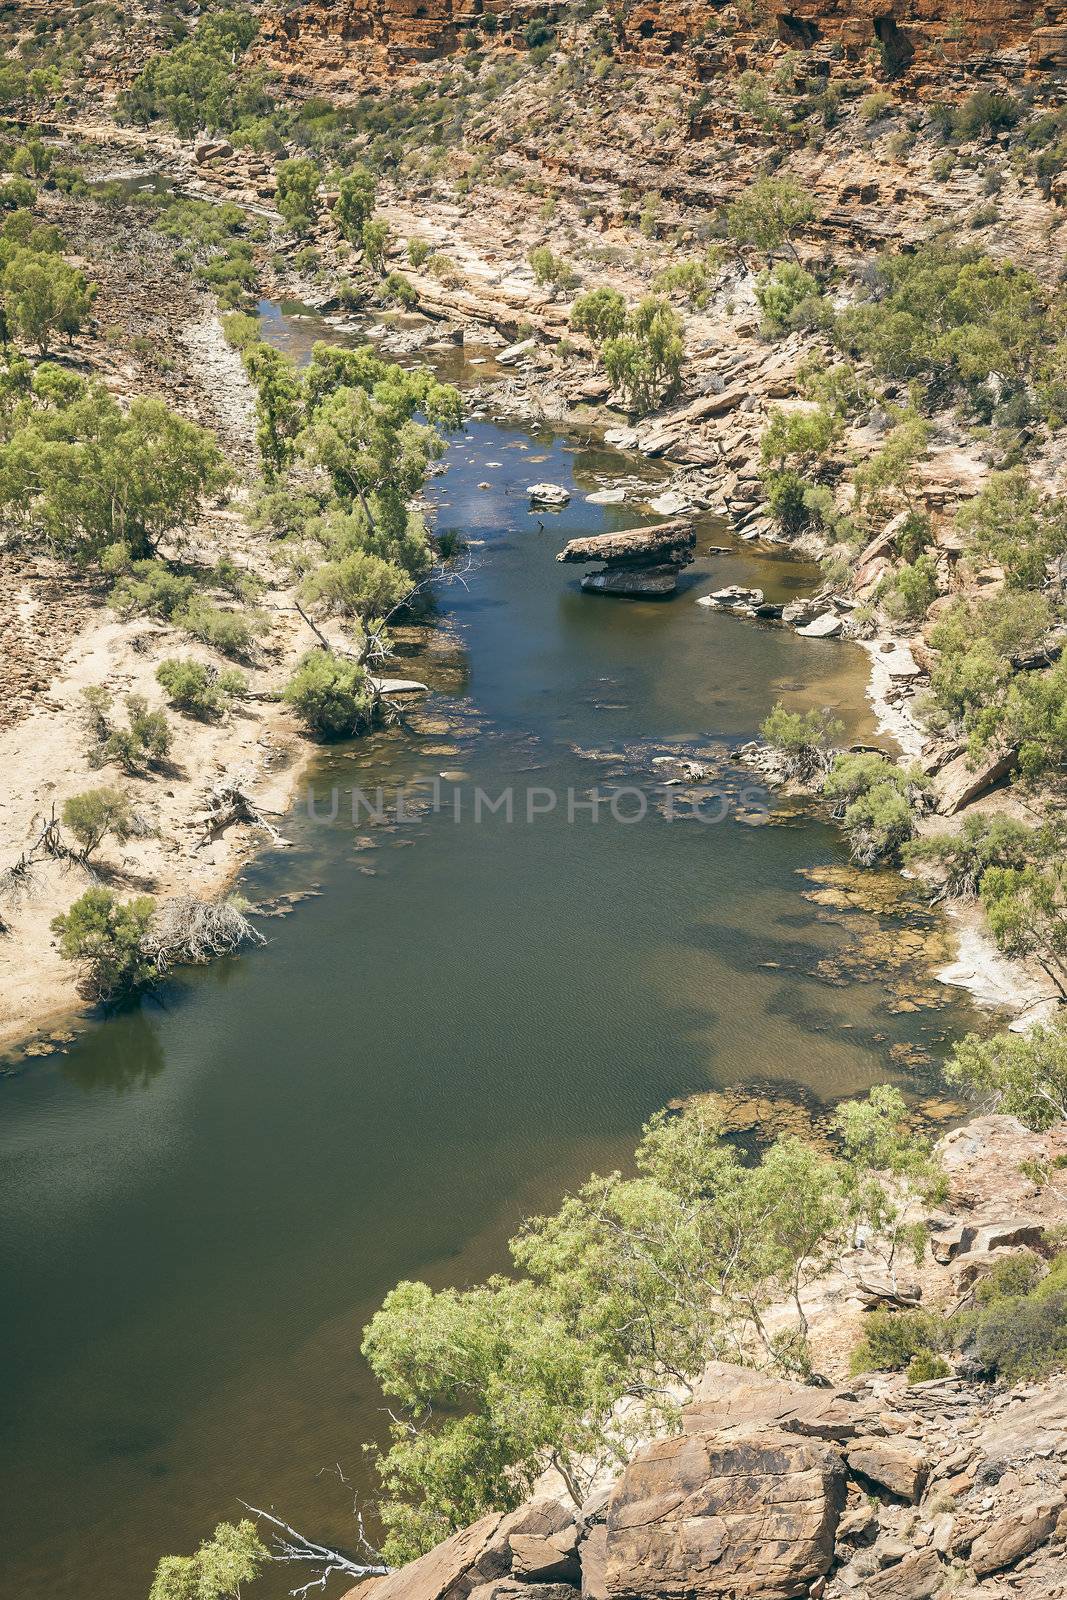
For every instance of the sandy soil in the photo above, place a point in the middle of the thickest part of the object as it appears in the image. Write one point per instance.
(43, 761)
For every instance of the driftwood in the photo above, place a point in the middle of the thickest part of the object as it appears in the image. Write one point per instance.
(226, 803)
(185, 929)
(289, 1545)
(16, 882)
(667, 544)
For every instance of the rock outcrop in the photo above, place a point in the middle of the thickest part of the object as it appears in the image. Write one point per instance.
(744, 1519)
(776, 1490)
(637, 561)
(343, 41)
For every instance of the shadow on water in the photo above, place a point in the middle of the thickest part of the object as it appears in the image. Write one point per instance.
(200, 1205)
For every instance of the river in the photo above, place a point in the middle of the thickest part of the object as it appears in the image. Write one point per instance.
(202, 1202)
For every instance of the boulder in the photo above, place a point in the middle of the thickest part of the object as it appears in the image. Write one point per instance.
(546, 1558)
(891, 1465)
(917, 1577)
(593, 1554)
(515, 352)
(798, 613)
(513, 1589)
(1015, 1535)
(732, 598)
(731, 1399)
(701, 1518)
(607, 497)
(638, 561)
(551, 495)
(960, 781)
(827, 626)
(447, 1572)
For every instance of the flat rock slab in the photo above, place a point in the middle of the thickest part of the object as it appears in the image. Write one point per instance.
(697, 1518)
(828, 626)
(665, 543)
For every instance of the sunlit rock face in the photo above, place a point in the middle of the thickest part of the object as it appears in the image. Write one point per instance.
(347, 42)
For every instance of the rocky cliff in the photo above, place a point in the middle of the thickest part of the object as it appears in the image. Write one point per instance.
(344, 43)
(870, 1488)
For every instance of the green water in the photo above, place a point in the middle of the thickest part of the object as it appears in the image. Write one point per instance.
(201, 1203)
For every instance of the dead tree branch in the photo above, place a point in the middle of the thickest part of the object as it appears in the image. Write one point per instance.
(185, 929)
(226, 802)
(288, 1545)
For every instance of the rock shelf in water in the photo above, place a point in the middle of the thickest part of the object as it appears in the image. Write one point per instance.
(637, 561)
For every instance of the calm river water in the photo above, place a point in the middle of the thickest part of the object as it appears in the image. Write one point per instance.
(202, 1203)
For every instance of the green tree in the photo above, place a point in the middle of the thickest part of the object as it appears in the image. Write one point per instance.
(890, 1168)
(105, 936)
(625, 1292)
(279, 405)
(88, 475)
(297, 193)
(1026, 908)
(356, 195)
(890, 480)
(1009, 523)
(44, 296)
(234, 1555)
(644, 362)
(768, 214)
(600, 314)
(1021, 1074)
(374, 237)
(94, 814)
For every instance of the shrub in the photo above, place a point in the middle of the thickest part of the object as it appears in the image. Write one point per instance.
(768, 214)
(962, 859)
(418, 251)
(94, 814)
(892, 1339)
(143, 743)
(229, 632)
(1020, 1336)
(908, 593)
(873, 800)
(788, 297)
(330, 694)
(873, 106)
(147, 588)
(689, 279)
(396, 290)
(552, 269)
(106, 937)
(925, 1365)
(199, 690)
(804, 738)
